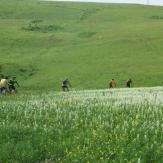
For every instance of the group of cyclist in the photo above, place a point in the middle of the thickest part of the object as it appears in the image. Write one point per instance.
(8, 85)
(112, 84)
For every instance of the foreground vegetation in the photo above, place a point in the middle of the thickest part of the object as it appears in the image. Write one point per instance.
(42, 43)
(88, 43)
(123, 125)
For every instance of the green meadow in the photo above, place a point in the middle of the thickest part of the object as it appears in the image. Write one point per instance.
(112, 126)
(90, 43)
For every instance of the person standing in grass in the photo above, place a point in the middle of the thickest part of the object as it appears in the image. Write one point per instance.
(112, 83)
(129, 83)
(12, 84)
(65, 85)
(4, 85)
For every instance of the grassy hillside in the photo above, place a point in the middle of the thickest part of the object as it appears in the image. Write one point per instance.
(43, 42)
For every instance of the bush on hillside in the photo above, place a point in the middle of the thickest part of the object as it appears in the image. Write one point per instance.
(156, 17)
(86, 34)
(86, 13)
(36, 26)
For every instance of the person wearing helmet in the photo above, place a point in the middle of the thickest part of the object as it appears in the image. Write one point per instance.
(65, 85)
(128, 83)
(12, 84)
(4, 85)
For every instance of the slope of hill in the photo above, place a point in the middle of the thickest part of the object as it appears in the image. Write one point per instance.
(44, 42)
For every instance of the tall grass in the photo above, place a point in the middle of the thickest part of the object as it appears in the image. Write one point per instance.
(86, 126)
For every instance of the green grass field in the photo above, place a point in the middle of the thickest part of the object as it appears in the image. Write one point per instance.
(121, 125)
(42, 43)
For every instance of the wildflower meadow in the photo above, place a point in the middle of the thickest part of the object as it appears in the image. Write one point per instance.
(121, 125)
